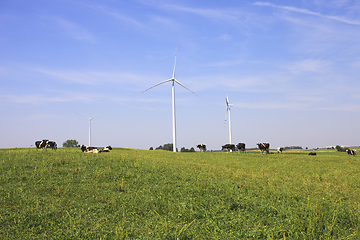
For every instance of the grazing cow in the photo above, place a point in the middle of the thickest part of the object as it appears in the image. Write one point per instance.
(241, 147)
(280, 149)
(351, 152)
(264, 147)
(228, 147)
(106, 149)
(89, 149)
(202, 147)
(51, 144)
(41, 144)
(312, 154)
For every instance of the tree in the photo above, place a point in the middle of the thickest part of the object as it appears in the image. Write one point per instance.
(70, 143)
(341, 149)
(151, 148)
(159, 148)
(183, 149)
(293, 147)
(167, 147)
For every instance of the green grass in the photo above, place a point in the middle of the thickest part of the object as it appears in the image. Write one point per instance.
(137, 194)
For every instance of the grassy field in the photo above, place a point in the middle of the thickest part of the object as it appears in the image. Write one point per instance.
(138, 194)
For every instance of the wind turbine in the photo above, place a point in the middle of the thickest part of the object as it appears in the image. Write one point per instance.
(228, 105)
(89, 126)
(173, 80)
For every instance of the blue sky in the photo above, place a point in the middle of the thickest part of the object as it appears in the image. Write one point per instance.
(291, 70)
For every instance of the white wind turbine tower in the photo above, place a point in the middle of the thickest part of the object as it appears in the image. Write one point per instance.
(173, 80)
(89, 126)
(228, 105)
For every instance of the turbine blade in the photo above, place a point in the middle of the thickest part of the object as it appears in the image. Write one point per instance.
(95, 116)
(226, 113)
(158, 84)
(174, 63)
(185, 87)
(83, 116)
(227, 100)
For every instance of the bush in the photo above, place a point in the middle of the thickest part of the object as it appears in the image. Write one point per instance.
(341, 149)
(293, 147)
(183, 149)
(70, 143)
(167, 147)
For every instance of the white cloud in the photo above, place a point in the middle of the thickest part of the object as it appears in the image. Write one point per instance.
(165, 22)
(228, 63)
(73, 30)
(309, 65)
(39, 99)
(225, 37)
(213, 14)
(116, 15)
(41, 116)
(308, 12)
(272, 105)
(347, 108)
(89, 77)
(356, 65)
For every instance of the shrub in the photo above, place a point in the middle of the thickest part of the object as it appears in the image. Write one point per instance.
(70, 143)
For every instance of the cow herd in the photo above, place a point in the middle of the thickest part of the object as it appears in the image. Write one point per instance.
(241, 147)
(263, 147)
(45, 144)
(231, 147)
(87, 149)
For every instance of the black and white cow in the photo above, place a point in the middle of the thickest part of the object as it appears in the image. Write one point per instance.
(106, 149)
(228, 147)
(264, 147)
(41, 144)
(280, 149)
(87, 149)
(51, 144)
(241, 147)
(312, 154)
(202, 147)
(351, 152)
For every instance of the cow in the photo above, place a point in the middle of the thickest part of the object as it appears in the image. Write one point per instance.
(241, 147)
(106, 149)
(312, 154)
(228, 147)
(41, 144)
(351, 152)
(202, 147)
(87, 149)
(280, 149)
(51, 144)
(264, 147)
